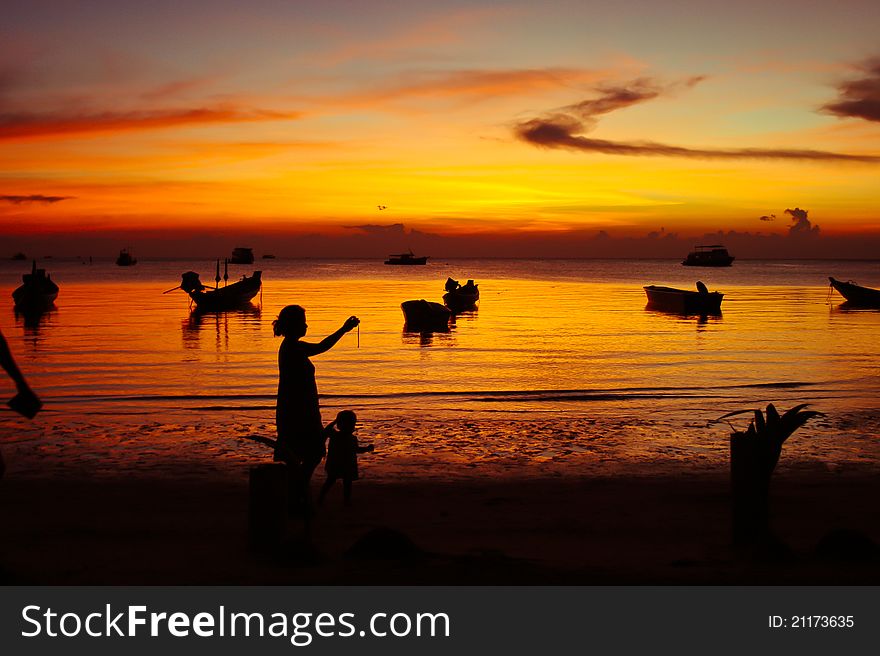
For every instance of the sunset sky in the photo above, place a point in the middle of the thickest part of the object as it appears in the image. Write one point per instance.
(545, 123)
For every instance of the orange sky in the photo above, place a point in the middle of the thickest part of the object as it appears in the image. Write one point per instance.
(120, 121)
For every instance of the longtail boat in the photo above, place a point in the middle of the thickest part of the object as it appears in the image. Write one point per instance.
(856, 295)
(37, 292)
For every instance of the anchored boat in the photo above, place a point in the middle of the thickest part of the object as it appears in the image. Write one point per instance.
(37, 292)
(709, 256)
(406, 258)
(425, 315)
(856, 295)
(242, 256)
(217, 299)
(683, 301)
(460, 298)
(125, 258)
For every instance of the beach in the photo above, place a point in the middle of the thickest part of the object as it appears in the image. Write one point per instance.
(563, 530)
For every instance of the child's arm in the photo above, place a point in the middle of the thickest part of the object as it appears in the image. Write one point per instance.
(365, 449)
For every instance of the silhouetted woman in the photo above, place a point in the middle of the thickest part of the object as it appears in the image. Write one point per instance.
(297, 414)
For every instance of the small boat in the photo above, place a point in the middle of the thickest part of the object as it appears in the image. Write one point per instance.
(37, 292)
(856, 295)
(406, 258)
(218, 299)
(683, 301)
(425, 315)
(458, 297)
(125, 258)
(242, 256)
(709, 256)
(20, 257)
(268, 256)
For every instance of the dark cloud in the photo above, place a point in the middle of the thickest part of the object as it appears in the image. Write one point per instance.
(859, 98)
(376, 229)
(33, 198)
(768, 217)
(800, 224)
(16, 126)
(565, 127)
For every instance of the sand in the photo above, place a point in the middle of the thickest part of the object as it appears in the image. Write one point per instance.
(562, 530)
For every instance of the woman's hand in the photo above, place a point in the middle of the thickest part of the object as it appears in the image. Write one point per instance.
(350, 323)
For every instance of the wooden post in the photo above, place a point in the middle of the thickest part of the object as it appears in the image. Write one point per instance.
(267, 513)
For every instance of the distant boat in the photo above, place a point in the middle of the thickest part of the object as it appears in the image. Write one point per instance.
(709, 256)
(856, 295)
(38, 291)
(425, 315)
(406, 258)
(19, 256)
(242, 256)
(458, 297)
(268, 256)
(230, 297)
(125, 258)
(683, 301)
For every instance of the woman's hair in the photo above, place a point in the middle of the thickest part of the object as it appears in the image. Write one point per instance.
(291, 321)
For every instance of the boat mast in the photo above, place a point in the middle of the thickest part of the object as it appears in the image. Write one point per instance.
(217, 277)
(225, 271)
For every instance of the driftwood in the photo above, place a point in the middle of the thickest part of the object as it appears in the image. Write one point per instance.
(754, 454)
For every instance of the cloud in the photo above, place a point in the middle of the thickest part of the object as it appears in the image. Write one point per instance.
(564, 128)
(24, 126)
(859, 98)
(768, 217)
(462, 85)
(800, 224)
(33, 198)
(376, 229)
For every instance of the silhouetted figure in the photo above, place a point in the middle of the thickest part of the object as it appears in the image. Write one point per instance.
(25, 401)
(298, 415)
(342, 454)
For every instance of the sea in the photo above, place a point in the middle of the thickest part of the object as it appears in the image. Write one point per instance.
(561, 371)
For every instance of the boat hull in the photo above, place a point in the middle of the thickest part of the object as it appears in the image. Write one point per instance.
(425, 315)
(713, 263)
(459, 301)
(683, 301)
(412, 261)
(856, 295)
(231, 297)
(29, 298)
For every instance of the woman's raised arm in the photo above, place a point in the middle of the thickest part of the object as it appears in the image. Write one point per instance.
(330, 341)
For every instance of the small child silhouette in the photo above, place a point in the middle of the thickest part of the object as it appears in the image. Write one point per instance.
(342, 454)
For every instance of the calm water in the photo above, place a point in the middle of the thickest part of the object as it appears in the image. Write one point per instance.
(561, 370)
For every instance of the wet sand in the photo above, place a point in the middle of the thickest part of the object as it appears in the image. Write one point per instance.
(563, 530)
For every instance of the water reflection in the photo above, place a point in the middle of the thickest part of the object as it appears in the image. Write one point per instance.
(848, 307)
(246, 318)
(426, 337)
(702, 320)
(34, 320)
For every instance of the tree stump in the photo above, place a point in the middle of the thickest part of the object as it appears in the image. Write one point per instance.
(750, 471)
